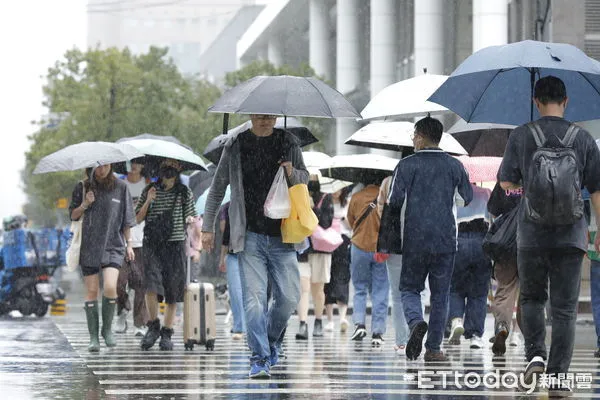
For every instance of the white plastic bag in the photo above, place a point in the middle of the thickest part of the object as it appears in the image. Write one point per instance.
(278, 204)
(72, 253)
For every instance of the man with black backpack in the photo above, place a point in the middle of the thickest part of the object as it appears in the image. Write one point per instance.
(552, 160)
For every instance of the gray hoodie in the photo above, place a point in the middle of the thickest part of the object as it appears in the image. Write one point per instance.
(229, 172)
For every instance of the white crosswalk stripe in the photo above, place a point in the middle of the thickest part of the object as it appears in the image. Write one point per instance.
(327, 367)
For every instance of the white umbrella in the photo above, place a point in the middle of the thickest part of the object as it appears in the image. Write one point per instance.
(363, 168)
(406, 99)
(314, 160)
(166, 149)
(395, 136)
(85, 155)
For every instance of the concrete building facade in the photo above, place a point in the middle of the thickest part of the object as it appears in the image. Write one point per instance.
(187, 28)
(366, 45)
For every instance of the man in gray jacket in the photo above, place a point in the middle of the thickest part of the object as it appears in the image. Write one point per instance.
(249, 163)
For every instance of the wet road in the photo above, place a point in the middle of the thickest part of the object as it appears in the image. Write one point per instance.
(47, 359)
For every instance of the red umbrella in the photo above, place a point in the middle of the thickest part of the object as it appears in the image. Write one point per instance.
(481, 169)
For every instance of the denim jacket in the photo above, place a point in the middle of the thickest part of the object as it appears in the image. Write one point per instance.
(229, 172)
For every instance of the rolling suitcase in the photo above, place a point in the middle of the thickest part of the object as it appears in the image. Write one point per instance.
(199, 314)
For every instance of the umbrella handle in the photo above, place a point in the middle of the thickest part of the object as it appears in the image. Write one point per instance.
(225, 123)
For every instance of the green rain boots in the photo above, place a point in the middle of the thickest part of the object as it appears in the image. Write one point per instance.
(93, 323)
(108, 313)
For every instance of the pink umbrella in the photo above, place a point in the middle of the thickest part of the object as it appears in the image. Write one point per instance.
(481, 169)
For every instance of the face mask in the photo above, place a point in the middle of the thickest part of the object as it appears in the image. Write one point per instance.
(314, 186)
(168, 172)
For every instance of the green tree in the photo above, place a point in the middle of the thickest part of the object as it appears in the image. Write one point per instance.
(104, 95)
(320, 127)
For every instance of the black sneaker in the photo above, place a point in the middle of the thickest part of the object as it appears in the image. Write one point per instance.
(302, 331)
(318, 329)
(499, 346)
(152, 334)
(165, 339)
(415, 341)
(535, 367)
(359, 333)
(377, 340)
(597, 353)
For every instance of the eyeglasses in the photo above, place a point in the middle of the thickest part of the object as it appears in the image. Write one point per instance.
(263, 116)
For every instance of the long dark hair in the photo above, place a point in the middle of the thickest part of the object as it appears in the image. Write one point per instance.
(344, 195)
(106, 185)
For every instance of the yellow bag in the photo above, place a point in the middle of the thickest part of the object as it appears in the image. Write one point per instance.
(302, 220)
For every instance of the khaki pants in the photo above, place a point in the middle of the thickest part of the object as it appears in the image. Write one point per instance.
(506, 295)
(132, 275)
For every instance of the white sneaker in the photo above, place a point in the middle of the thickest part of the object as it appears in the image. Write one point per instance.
(514, 339)
(237, 336)
(400, 350)
(344, 325)
(476, 342)
(121, 324)
(141, 331)
(330, 326)
(456, 331)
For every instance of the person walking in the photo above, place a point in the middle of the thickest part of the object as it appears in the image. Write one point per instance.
(106, 206)
(506, 274)
(369, 276)
(131, 275)
(249, 163)
(551, 158)
(315, 267)
(472, 273)
(425, 186)
(337, 291)
(166, 207)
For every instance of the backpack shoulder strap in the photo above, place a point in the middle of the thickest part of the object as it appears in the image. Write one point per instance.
(538, 135)
(570, 136)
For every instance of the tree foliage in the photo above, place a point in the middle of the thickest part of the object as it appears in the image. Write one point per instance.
(104, 95)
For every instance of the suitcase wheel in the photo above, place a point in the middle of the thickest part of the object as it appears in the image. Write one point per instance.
(189, 345)
(210, 345)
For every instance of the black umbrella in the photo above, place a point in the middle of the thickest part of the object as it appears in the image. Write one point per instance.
(286, 96)
(482, 139)
(200, 181)
(215, 147)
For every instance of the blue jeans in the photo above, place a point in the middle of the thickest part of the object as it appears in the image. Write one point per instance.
(470, 283)
(236, 299)
(371, 277)
(265, 260)
(416, 267)
(394, 267)
(595, 289)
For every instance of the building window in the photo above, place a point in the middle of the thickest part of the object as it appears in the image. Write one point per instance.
(149, 23)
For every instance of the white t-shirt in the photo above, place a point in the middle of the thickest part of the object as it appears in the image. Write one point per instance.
(137, 232)
(340, 212)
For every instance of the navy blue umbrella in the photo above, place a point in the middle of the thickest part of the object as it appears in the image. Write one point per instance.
(496, 83)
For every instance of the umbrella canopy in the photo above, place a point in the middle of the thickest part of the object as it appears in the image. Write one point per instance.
(406, 99)
(496, 83)
(201, 202)
(156, 150)
(397, 136)
(200, 181)
(481, 169)
(171, 139)
(482, 139)
(360, 168)
(314, 161)
(86, 154)
(285, 95)
(214, 149)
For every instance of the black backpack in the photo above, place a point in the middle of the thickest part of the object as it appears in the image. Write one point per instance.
(553, 190)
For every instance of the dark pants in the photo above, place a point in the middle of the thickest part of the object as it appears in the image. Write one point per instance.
(563, 267)
(415, 268)
(470, 283)
(132, 274)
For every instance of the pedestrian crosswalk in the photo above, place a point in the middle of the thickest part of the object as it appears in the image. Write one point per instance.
(320, 368)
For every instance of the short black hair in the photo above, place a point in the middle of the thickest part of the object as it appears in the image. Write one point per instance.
(430, 128)
(550, 89)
